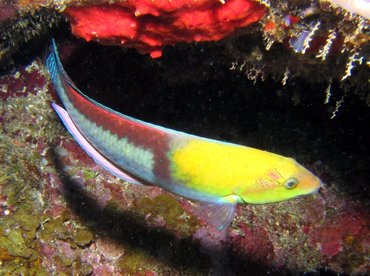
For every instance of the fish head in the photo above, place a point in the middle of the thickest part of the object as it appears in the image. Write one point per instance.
(285, 180)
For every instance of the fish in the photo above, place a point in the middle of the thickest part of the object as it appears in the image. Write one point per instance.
(217, 174)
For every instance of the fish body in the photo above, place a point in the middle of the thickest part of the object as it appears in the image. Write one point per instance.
(219, 174)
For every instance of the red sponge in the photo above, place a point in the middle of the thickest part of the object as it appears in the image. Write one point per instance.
(149, 25)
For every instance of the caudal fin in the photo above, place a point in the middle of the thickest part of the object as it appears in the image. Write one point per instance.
(52, 61)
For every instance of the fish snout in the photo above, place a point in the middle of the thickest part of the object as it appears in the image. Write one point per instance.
(310, 183)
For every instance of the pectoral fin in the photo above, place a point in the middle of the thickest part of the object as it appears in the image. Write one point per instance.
(221, 213)
(90, 150)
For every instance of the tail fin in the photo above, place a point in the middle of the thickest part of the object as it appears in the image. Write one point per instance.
(52, 61)
(55, 68)
(54, 65)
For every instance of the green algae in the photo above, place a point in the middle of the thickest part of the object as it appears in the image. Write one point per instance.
(55, 228)
(21, 269)
(135, 262)
(22, 175)
(3, 178)
(28, 222)
(83, 238)
(17, 239)
(86, 269)
(19, 181)
(167, 207)
(15, 245)
(68, 261)
(17, 249)
(89, 174)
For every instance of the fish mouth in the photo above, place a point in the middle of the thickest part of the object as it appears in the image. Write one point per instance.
(312, 184)
(319, 188)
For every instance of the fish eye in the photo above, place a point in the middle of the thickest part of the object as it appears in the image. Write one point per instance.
(291, 183)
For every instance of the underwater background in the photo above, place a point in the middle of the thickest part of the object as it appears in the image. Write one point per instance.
(62, 214)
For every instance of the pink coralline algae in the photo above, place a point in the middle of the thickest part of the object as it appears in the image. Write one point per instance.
(7, 10)
(254, 243)
(332, 235)
(23, 82)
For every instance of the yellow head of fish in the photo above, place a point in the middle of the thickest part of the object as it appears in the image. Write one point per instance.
(252, 175)
(284, 179)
